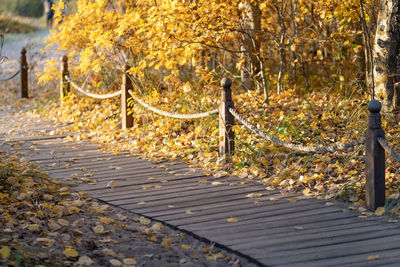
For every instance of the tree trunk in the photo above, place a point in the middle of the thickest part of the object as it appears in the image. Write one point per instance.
(251, 44)
(386, 51)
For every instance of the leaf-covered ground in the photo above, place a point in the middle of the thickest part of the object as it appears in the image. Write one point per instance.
(43, 223)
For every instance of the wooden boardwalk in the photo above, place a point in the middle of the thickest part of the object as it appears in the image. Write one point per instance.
(276, 229)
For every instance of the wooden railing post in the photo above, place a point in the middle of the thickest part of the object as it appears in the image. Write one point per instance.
(226, 121)
(64, 86)
(127, 119)
(24, 74)
(374, 159)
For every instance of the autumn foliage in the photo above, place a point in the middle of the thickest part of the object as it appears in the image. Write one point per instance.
(299, 70)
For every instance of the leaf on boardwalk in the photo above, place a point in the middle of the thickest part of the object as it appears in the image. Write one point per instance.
(380, 211)
(187, 247)
(189, 212)
(111, 184)
(215, 257)
(373, 257)
(254, 195)
(231, 220)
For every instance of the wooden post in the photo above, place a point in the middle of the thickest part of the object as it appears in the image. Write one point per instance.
(64, 86)
(226, 121)
(374, 159)
(24, 74)
(127, 119)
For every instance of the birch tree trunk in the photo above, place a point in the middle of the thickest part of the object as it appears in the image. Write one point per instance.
(251, 43)
(386, 51)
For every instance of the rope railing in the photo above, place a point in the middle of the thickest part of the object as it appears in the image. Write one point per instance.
(97, 96)
(388, 149)
(375, 144)
(173, 115)
(10, 77)
(23, 73)
(317, 149)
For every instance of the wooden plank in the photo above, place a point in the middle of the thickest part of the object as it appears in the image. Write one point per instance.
(323, 224)
(294, 257)
(291, 213)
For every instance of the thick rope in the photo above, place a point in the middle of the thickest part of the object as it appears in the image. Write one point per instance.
(174, 115)
(10, 77)
(81, 90)
(388, 149)
(291, 145)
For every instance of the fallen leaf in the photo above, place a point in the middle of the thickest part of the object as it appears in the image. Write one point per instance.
(254, 195)
(373, 257)
(85, 261)
(153, 238)
(129, 261)
(292, 200)
(106, 220)
(144, 221)
(111, 184)
(189, 212)
(217, 183)
(33, 227)
(115, 262)
(142, 203)
(215, 257)
(45, 241)
(70, 252)
(5, 252)
(186, 246)
(380, 211)
(98, 229)
(232, 220)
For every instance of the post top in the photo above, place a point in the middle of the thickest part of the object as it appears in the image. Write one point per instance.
(374, 106)
(23, 51)
(64, 58)
(226, 82)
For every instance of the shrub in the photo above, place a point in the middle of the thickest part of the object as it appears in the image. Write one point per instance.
(26, 8)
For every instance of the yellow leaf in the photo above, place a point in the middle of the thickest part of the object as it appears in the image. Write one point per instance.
(189, 212)
(373, 257)
(232, 220)
(98, 229)
(203, 181)
(106, 220)
(111, 184)
(291, 200)
(5, 252)
(33, 227)
(254, 195)
(215, 257)
(186, 246)
(70, 252)
(380, 211)
(153, 238)
(147, 186)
